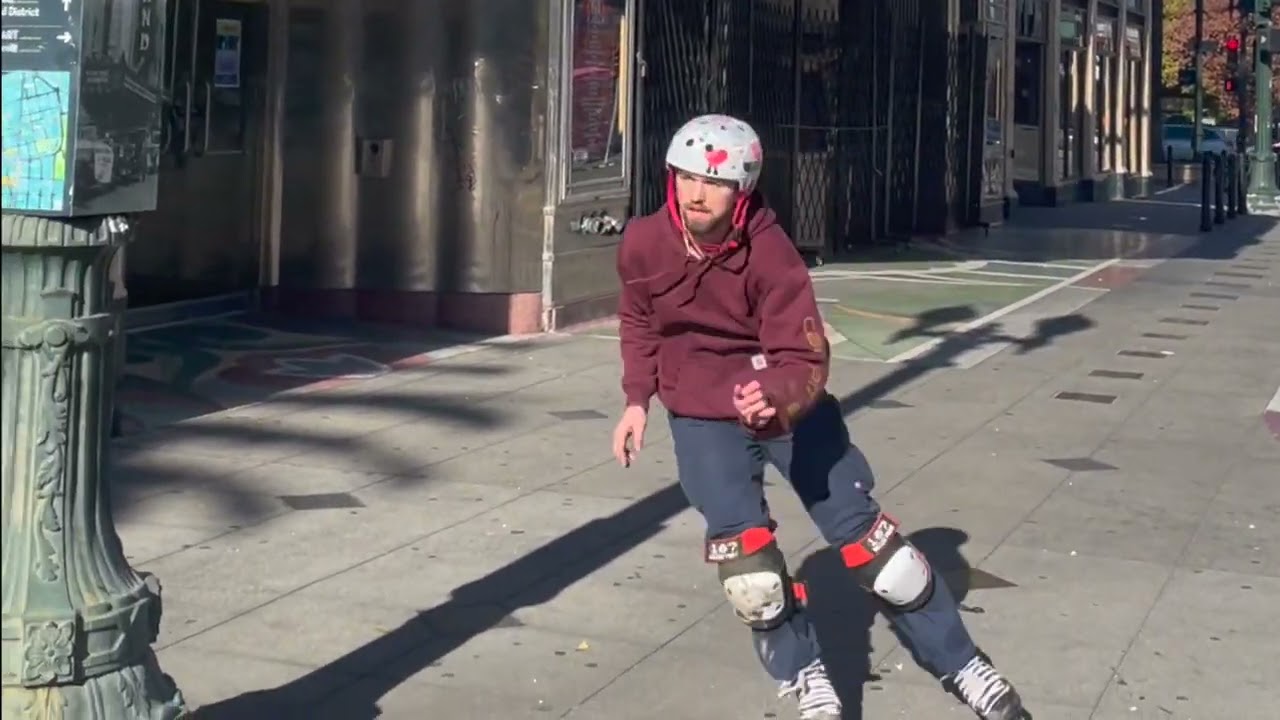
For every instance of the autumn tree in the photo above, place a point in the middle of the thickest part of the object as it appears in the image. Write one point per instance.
(1179, 50)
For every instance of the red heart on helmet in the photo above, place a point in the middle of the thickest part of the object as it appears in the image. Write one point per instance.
(716, 158)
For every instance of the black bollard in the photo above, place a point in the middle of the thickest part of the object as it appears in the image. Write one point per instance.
(1219, 211)
(1232, 195)
(1242, 183)
(1168, 172)
(1206, 194)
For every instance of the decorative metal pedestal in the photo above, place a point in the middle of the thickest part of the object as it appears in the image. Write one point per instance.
(78, 622)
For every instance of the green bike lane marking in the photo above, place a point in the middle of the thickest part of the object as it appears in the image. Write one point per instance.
(883, 312)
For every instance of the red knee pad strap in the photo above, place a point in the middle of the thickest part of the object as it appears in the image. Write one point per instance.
(862, 551)
(747, 542)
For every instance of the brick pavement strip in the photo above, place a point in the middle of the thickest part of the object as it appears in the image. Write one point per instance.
(475, 553)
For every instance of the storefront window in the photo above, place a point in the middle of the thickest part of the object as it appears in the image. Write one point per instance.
(1134, 114)
(1071, 93)
(1028, 70)
(1026, 84)
(1104, 73)
(598, 92)
(993, 149)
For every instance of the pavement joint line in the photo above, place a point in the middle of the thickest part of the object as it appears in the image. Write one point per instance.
(389, 551)
(1173, 569)
(987, 319)
(385, 477)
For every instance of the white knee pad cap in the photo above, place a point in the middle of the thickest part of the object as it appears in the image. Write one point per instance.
(757, 597)
(904, 577)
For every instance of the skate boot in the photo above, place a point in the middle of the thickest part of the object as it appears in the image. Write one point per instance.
(813, 690)
(985, 690)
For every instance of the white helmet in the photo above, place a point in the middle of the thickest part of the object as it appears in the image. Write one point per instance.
(718, 146)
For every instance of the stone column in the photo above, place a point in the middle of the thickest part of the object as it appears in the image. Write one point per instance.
(78, 622)
(1051, 135)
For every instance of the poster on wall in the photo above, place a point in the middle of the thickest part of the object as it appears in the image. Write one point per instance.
(226, 53)
(596, 47)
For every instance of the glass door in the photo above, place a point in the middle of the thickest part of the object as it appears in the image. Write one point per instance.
(203, 239)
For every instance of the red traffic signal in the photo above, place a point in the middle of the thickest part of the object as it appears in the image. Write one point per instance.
(1229, 85)
(1232, 44)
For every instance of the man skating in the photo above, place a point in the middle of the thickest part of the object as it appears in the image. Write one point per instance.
(718, 318)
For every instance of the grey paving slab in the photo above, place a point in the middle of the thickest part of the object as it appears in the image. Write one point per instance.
(284, 553)
(525, 462)
(1239, 532)
(312, 627)
(371, 698)
(559, 669)
(223, 677)
(653, 470)
(1193, 660)
(982, 495)
(215, 507)
(1098, 516)
(1174, 416)
(1062, 629)
(989, 387)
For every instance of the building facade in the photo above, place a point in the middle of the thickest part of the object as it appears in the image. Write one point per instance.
(1083, 111)
(416, 161)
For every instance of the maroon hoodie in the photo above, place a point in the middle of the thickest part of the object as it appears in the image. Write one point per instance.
(693, 328)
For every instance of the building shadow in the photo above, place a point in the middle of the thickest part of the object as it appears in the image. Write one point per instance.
(1152, 228)
(176, 372)
(351, 686)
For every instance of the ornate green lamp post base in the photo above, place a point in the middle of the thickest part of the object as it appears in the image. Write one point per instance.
(1262, 194)
(78, 622)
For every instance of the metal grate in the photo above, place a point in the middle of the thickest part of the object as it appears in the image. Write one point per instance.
(862, 106)
(675, 87)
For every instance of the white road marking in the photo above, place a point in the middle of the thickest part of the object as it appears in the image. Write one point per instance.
(925, 347)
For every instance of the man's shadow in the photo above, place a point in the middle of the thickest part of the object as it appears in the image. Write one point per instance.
(843, 613)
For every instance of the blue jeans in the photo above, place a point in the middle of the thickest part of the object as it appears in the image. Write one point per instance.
(721, 471)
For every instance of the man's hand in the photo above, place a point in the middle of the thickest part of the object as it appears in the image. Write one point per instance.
(628, 436)
(752, 405)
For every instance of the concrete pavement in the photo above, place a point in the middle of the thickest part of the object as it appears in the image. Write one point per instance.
(452, 539)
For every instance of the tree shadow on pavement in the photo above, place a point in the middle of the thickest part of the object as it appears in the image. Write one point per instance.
(210, 453)
(188, 370)
(951, 345)
(351, 686)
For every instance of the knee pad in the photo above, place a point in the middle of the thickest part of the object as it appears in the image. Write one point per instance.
(754, 575)
(888, 566)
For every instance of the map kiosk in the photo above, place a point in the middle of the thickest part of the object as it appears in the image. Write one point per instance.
(82, 110)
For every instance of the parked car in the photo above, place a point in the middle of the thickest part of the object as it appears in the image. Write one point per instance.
(1177, 139)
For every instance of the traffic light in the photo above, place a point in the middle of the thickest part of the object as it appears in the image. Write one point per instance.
(1232, 46)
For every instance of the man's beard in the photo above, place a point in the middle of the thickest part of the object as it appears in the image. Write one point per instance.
(700, 224)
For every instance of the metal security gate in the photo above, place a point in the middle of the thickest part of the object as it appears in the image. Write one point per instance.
(855, 101)
(693, 50)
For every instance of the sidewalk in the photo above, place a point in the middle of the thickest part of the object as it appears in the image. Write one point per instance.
(452, 540)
